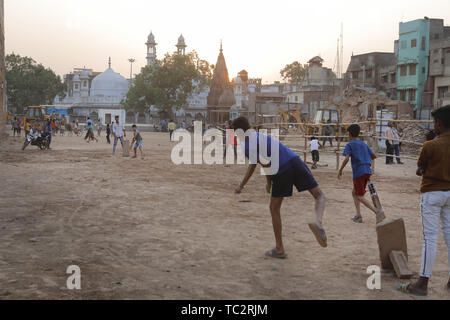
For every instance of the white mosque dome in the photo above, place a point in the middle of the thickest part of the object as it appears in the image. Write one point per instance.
(109, 84)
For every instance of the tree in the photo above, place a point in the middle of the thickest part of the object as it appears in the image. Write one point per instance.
(168, 83)
(294, 72)
(29, 83)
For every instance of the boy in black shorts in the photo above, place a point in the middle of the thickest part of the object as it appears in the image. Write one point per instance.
(291, 172)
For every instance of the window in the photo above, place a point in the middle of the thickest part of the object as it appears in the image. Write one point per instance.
(296, 98)
(369, 73)
(393, 77)
(412, 69)
(355, 75)
(423, 69)
(413, 43)
(403, 70)
(412, 95)
(442, 91)
(76, 86)
(424, 43)
(384, 78)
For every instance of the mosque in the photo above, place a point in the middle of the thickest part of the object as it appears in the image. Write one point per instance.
(94, 94)
(99, 95)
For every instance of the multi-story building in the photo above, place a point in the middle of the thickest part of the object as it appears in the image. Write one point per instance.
(2, 71)
(413, 60)
(374, 70)
(439, 75)
(314, 91)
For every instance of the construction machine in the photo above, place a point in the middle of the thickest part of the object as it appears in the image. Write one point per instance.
(35, 114)
(326, 118)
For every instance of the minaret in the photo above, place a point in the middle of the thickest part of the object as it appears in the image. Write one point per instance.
(151, 49)
(181, 45)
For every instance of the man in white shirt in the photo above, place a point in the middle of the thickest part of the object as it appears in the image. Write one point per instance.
(315, 151)
(119, 133)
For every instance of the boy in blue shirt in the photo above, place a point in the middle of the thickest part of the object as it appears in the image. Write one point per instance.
(361, 156)
(290, 171)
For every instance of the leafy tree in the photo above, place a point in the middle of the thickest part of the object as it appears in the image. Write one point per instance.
(29, 83)
(294, 72)
(168, 83)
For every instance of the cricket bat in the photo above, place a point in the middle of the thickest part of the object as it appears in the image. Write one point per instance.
(126, 148)
(374, 195)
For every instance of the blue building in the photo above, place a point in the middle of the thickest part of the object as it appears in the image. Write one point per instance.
(413, 59)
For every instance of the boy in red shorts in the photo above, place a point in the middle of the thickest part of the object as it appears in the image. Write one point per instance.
(361, 156)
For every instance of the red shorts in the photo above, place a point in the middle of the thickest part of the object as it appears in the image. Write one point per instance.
(360, 184)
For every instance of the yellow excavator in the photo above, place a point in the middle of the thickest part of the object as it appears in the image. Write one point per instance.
(327, 118)
(35, 114)
(291, 116)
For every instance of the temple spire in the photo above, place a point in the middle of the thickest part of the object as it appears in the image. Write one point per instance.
(221, 48)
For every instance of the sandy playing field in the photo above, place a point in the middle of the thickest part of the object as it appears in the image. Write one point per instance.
(147, 229)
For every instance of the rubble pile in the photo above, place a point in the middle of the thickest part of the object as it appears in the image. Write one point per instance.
(412, 132)
(359, 104)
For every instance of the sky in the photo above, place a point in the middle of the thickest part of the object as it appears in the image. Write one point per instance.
(259, 36)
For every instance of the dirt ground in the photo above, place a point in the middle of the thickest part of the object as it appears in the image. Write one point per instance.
(147, 229)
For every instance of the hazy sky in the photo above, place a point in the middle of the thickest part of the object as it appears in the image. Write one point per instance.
(258, 35)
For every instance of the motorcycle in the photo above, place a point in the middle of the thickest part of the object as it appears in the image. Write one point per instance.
(35, 138)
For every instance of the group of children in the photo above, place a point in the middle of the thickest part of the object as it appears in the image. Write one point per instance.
(433, 165)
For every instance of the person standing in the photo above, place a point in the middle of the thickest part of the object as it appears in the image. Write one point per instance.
(26, 127)
(48, 131)
(118, 132)
(164, 126)
(108, 133)
(15, 126)
(396, 143)
(389, 144)
(434, 168)
(315, 144)
(99, 128)
(172, 127)
(88, 124)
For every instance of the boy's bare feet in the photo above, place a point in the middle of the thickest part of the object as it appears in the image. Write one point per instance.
(380, 216)
(319, 233)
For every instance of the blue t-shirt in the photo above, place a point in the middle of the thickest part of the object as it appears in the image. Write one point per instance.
(360, 154)
(265, 151)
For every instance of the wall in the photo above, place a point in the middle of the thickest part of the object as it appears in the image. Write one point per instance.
(2, 72)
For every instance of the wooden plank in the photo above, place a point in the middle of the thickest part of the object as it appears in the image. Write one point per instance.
(400, 263)
(391, 236)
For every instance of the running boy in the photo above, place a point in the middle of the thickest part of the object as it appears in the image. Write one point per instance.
(314, 144)
(91, 136)
(434, 168)
(139, 144)
(291, 172)
(361, 156)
